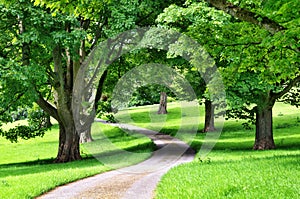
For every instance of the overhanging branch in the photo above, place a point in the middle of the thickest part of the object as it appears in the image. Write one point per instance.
(287, 88)
(47, 107)
(246, 15)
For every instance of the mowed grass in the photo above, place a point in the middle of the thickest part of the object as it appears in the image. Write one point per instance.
(232, 169)
(26, 168)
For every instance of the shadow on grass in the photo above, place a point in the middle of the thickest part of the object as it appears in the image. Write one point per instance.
(45, 165)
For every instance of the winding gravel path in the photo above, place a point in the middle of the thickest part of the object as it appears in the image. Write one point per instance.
(134, 182)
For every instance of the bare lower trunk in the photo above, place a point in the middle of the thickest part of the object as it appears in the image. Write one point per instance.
(68, 149)
(86, 136)
(162, 104)
(209, 117)
(264, 129)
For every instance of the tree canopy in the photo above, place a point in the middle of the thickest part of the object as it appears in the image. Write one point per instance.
(256, 47)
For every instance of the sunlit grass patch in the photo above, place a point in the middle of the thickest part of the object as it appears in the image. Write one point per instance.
(27, 169)
(269, 177)
(232, 169)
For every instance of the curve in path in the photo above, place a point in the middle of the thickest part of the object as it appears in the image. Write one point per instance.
(137, 181)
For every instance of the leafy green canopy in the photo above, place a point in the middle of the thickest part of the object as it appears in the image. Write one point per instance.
(254, 62)
(27, 74)
(32, 29)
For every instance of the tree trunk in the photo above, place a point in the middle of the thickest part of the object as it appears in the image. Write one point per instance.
(264, 128)
(86, 136)
(209, 117)
(162, 104)
(68, 149)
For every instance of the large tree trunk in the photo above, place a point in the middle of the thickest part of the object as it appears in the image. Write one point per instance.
(68, 149)
(162, 104)
(209, 125)
(264, 128)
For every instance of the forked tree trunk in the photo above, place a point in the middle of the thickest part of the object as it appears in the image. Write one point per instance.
(162, 104)
(264, 128)
(209, 125)
(86, 136)
(68, 149)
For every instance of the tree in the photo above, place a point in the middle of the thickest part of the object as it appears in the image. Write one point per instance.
(54, 37)
(162, 109)
(276, 63)
(255, 47)
(198, 21)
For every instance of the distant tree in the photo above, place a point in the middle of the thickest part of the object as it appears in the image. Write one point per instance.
(162, 109)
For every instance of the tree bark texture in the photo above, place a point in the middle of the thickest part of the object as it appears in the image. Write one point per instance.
(86, 136)
(264, 128)
(162, 104)
(68, 148)
(209, 125)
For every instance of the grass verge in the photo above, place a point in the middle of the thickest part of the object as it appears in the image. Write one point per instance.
(26, 168)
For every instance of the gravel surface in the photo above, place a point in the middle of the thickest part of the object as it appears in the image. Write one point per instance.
(134, 182)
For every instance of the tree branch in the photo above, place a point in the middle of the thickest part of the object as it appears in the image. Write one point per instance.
(99, 32)
(15, 99)
(246, 15)
(286, 89)
(100, 88)
(47, 107)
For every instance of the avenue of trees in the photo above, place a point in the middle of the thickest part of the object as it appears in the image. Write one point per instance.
(255, 45)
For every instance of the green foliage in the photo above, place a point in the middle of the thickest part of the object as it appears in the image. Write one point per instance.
(103, 108)
(36, 124)
(32, 29)
(23, 132)
(147, 95)
(252, 61)
(105, 111)
(293, 96)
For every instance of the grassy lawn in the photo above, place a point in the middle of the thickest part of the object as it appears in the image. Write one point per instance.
(26, 168)
(232, 169)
